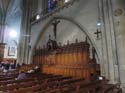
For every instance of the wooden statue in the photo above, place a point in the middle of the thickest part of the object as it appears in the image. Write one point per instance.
(51, 44)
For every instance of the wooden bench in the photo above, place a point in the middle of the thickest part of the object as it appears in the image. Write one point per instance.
(27, 90)
(18, 86)
(48, 83)
(3, 83)
(7, 78)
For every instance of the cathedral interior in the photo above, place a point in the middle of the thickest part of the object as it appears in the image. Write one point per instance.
(78, 46)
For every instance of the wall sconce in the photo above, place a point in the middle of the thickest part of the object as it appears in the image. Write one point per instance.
(37, 17)
(99, 24)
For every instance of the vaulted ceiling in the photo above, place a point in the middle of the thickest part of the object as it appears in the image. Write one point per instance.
(10, 11)
(3, 9)
(10, 14)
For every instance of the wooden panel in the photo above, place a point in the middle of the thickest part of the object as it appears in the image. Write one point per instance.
(69, 60)
(2, 47)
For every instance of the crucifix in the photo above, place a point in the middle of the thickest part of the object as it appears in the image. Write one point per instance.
(97, 33)
(55, 23)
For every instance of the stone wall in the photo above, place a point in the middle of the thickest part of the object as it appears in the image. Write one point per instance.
(86, 13)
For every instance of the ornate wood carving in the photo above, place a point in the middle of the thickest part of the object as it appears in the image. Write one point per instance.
(68, 60)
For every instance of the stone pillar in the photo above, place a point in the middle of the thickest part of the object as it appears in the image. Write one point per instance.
(23, 47)
(39, 6)
(108, 36)
(119, 22)
(2, 32)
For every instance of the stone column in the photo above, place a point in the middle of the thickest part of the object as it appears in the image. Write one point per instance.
(108, 36)
(119, 22)
(23, 47)
(39, 6)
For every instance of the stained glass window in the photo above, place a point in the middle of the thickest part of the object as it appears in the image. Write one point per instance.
(52, 4)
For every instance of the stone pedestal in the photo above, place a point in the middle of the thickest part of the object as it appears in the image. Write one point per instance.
(2, 47)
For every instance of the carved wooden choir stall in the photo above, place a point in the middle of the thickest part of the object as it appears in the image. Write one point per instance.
(68, 60)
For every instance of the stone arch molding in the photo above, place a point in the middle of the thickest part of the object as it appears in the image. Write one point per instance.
(82, 28)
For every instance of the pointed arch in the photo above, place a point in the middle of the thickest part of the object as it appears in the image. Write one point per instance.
(83, 29)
